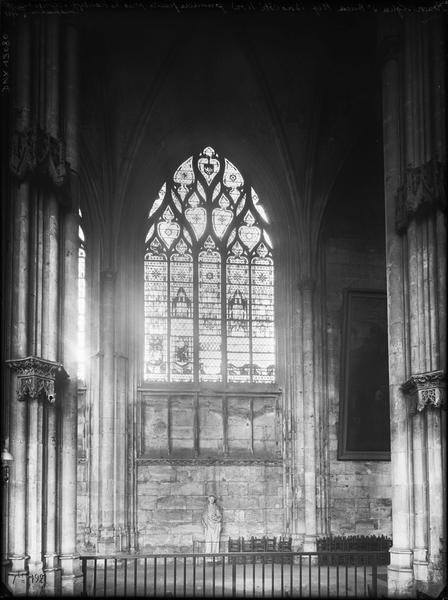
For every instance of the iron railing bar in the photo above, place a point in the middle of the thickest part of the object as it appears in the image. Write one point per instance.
(145, 577)
(135, 576)
(223, 576)
(213, 576)
(194, 576)
(318, 576)
(115, 576)
(262, 576)
(84, 576)
(337, 577)
(244, 579)
(125, 577)
(94, 576)
(374, 581)
(175, 576)
(155, 575)
(203, 576)
(164, 575)
(185, 576)
(346, 579)
(291, 578)
(309, 574)
(281, 577)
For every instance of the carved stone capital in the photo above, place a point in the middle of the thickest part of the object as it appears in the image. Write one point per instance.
(423, 192)
(425, 390)
(35, 153)
(36, 378)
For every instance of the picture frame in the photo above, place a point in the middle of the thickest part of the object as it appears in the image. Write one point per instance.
(364, 419)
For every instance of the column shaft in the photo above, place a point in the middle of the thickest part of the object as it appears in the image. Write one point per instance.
(69, 559)
(19, 335)
(436, 497)
(34, 485)
(420, 497)
(107, 417)
(400, 573)
(68, 409)
(309, 418)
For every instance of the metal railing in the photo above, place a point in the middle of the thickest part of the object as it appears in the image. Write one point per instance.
(297, 574)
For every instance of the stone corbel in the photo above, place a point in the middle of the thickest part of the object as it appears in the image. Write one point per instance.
(36, 378)
(425, 390)
(35, 153)
(423, 192)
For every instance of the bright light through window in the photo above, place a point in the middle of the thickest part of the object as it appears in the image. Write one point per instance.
(81, 307)
(209, 278)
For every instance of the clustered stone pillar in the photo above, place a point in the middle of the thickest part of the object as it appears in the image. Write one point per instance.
(415, 172)
(19, 301)
(106, 538)
(69, 558)
(307, 288)
(42, 500)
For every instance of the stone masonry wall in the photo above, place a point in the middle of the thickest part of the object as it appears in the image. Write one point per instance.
(359, 491)
(171, 499)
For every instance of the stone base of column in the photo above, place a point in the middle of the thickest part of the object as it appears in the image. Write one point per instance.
(52, 581)
(18, 583)
(420, 564)
(71, 575)
(309, 543)
(297, 542)
(106, 543)
(18, 574)
(400, 574)
(436, 572)
(36, 579)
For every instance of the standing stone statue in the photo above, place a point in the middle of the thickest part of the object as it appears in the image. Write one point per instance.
(212, 520)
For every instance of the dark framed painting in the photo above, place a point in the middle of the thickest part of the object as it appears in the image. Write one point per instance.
(364, 421)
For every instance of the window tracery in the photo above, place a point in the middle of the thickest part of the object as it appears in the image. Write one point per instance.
(81, 303)
(208, 278)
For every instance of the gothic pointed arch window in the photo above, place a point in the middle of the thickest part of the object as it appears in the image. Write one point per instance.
(208, 278)
(81, 325)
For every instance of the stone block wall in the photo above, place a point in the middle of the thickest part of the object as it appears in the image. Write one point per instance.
(359, 491)
(172, 498)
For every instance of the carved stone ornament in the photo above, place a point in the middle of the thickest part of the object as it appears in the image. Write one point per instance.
(425, 389)
(423, 191)
(35, 153)
(36, 378)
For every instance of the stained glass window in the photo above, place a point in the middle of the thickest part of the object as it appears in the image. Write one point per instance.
(208, 278)
(81, 304)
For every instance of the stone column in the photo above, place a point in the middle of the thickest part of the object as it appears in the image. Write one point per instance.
(17, 576)
(71, 579)
(69, 558)
(106, 541)
(36, 380)
(426, 395)
(415, 172)
(309, 414)
(400, 573)
(50, 314)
